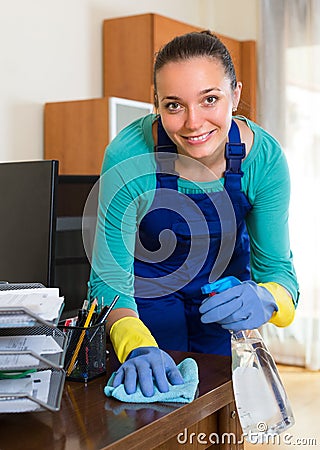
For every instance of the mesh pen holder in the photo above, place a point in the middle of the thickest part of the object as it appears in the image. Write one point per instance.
(86, 352)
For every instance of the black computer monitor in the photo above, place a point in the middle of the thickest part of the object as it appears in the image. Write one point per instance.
(27, 221)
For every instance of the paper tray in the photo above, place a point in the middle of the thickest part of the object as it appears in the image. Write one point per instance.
(42, 360)
(22, 317)
(24, 402)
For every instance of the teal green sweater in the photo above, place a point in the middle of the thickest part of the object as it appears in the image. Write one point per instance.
(127, 186)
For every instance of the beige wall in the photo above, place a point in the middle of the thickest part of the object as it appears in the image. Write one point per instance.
(52, 51)
(235, 18)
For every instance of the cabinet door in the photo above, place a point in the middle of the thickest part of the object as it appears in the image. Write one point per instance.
(243, 54)
(165, 29)
(76, 133)
(127, 57)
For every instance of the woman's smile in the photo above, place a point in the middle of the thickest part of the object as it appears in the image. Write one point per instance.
(200, 139)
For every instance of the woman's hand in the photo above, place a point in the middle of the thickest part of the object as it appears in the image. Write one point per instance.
(146, 365)
(242, 307)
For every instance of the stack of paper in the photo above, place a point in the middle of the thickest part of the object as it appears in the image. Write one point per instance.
(21, 395)
(31, 350)
(45, 303)
(16, 351)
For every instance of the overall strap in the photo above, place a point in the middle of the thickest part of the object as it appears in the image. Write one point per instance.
(165, 154)
(235, 151)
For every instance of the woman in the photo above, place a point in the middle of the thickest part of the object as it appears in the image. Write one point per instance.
(187, 197)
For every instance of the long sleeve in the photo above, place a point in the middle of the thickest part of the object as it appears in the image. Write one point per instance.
(267, 185)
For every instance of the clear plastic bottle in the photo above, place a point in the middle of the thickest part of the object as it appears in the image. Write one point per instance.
(262, 403)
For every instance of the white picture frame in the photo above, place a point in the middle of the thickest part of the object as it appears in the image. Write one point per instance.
(123, 111)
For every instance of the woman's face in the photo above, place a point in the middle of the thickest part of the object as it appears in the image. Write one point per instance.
(195, 104)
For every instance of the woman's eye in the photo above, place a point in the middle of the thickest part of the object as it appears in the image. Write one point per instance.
(210, 100)
(172, 106)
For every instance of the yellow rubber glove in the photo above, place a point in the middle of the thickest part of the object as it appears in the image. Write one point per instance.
(286, 310)
(129, 333)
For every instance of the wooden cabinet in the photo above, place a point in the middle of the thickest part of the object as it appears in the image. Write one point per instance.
(76, 132)
(130, 44)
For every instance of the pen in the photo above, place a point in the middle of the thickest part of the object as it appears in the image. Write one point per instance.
(76, 352)
(102, 317)
(82, 316)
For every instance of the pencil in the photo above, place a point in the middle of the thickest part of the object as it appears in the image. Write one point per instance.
(76, 352)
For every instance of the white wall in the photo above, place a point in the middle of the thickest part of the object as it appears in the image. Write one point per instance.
(234, 18)
(52, 51)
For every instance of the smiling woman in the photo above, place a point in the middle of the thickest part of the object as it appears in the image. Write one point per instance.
(199, 110)
(188, 196)
(198, 117)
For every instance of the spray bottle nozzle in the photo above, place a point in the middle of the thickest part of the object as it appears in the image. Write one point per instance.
(220, 285)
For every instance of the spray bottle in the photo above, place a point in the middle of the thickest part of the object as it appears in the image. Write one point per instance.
(261, 400)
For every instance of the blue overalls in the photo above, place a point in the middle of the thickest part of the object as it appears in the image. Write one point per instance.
(184, 242)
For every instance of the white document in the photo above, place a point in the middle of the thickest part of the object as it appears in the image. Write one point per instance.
(49, 291)
(44, 302)
(39, 344)
(16, 386)
(36, 385)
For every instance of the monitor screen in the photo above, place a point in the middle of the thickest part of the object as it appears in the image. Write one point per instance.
(27, 225)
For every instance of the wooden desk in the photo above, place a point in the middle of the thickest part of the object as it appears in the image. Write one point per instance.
(88, 420)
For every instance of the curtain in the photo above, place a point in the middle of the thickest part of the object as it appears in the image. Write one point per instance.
(289, 101)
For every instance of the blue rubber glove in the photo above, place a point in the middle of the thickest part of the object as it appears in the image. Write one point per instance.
(242, 307)
(147, 365)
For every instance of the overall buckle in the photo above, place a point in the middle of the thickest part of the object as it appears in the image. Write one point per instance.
(235, 152)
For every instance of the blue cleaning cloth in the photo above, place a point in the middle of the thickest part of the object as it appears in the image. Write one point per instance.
(179, 393)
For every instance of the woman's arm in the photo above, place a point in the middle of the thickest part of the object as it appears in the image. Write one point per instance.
(126, 190)
(267, 184)
(268, 188)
